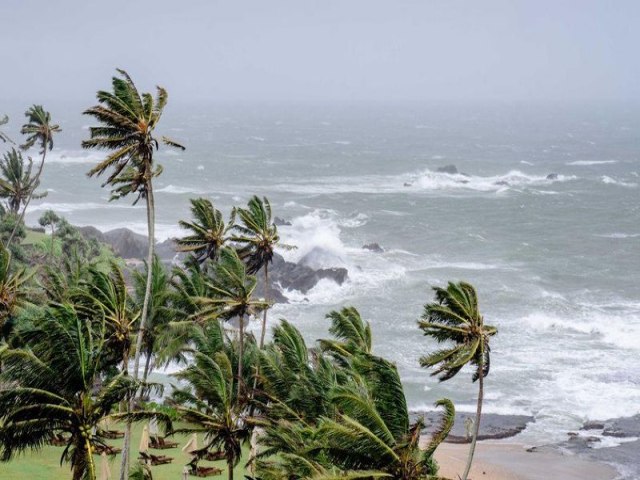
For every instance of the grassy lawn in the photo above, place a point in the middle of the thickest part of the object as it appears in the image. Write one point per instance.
(34, 237)
(45, 464)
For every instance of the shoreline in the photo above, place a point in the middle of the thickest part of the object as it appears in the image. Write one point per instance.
(512, 461)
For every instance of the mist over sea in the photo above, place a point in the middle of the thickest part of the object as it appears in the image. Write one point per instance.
(556, 260)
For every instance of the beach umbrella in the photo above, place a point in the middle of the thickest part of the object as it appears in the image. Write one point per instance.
(192, 444)
(153, 427)
(105, 471)
(144, 440)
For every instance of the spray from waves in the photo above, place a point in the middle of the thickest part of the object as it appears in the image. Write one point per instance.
(178, 190)
(63, 207)
(586, 163)
(425, 181)
(612, 181)
(74, 157)
(318, 242)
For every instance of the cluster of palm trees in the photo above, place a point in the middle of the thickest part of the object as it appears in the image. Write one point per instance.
(331, 410)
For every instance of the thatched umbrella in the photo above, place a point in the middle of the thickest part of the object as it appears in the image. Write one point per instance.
(192, 444)
(105, 471)
(144, 440)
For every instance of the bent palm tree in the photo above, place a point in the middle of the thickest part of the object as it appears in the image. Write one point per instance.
(455, 317)
(40, 131)
(48, 389)
(127, 125)
(208, 231)
(211, 404)
(3, 136)
(17, 183)
(232, 289)
(258, 237)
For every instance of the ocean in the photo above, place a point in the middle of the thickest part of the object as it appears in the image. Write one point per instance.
(543, 218)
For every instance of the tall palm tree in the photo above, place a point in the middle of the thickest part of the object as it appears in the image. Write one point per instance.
(210, 403)
(49, 389)
(39, 131)
(17, 184)
(107, 293)
(208, 231)
(258, 237)
(127, 126)
(455, 318)
(232, 297)
(13, 294)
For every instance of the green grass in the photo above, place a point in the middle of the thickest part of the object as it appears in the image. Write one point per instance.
(45, 463)
(34, 237)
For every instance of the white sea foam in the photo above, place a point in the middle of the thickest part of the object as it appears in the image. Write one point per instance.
(619, 235)
(74, 157)
(63, 207)
(178, 190)
(425, 181)
(586, 163)
(612, 181)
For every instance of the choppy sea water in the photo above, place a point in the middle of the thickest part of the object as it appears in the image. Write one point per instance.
(556, 261)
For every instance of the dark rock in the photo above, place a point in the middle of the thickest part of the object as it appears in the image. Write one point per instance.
(297, 276)
(593, 425)
(127, 244)
(166, 250)
(450, 169)
(279, 222)
(552, 176)
(374, 247)
(623, 427)
(502, 183)
(492, 427)
(407, 184)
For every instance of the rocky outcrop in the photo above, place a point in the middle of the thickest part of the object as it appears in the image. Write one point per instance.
(373, 247)
(492, 426)
(622, 427)
(280, 222)
(552, 176)
(301, 276)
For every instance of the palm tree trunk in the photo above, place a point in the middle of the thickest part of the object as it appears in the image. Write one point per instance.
(240, 355)
(145, 374)
(91, 467)
(476, 430)
(26, 204)
(230, 469)
(266, 298)
(124, 467)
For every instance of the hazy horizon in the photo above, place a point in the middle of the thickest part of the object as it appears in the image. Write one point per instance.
(285, 50)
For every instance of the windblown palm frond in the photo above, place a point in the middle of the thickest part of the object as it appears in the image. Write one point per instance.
(13, 290)
(17, 183)
(208, 231)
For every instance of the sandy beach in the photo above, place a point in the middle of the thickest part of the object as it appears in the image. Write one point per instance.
(509, 461)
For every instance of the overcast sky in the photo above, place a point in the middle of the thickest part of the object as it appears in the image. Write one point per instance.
(324, 49)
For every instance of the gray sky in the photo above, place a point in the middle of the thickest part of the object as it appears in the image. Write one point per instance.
(324, 50)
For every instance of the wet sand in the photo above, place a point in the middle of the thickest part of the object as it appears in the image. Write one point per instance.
(508, 461)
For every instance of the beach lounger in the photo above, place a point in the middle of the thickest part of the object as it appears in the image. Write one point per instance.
(58, 440)
(154, 460)
(205, 471)
(108, 449)
(160, 443)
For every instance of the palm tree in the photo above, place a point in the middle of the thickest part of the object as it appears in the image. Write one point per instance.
(17, 184)
(49, 389)
(40, 131)
(3, 136)
(258, 237)
(455, 317)
(107, 294)
(232, 297)
(49, 219)
(211, 404)
(13, 294)
(127, 123)
(208, 231)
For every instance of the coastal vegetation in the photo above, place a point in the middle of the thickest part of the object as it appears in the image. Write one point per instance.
(76, 322)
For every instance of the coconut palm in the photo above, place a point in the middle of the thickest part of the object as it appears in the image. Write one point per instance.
(257, 236)
(128, 121)
(232, 298)
(50, 389)
(209, 233)
(39, 131)
(17, 183)
(13, 292)
(105, 296)
(210, 403)
(455, 318)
